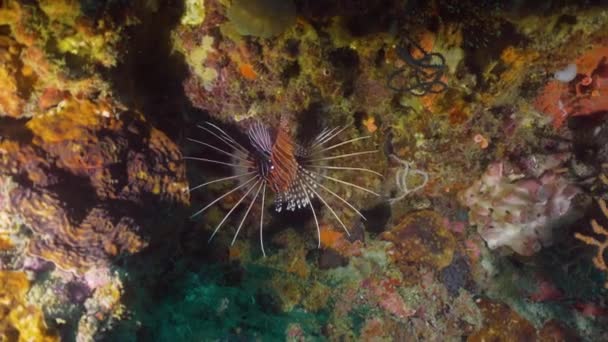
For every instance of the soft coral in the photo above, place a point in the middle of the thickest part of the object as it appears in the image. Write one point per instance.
(584, 95)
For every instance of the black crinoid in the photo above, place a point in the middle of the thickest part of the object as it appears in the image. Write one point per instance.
(269, 162)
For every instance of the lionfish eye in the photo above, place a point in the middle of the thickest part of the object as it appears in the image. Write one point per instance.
(294, 172)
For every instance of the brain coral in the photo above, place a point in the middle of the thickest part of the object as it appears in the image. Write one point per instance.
(71, 246)
(82, 171)
(262, 18)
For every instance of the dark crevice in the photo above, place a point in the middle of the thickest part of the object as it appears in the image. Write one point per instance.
(150, 75)
(15, 130)
(377, 217)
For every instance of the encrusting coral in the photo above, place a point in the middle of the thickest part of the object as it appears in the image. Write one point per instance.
(40, 37)
(501, 323)
(421, 239)
(20, 321)
(583, 94)
(70, 134)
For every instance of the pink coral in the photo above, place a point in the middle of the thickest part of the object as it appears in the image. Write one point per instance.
(519, 214)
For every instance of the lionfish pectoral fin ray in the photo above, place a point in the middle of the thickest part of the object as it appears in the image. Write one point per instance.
(322, 136)
(328, 207)
(346, 168)
(330, 137)
(262, 220)
(314, 214)
(337, 196)
(220, 180)
(325, 149)
(226, 140)
(228, 137)
(354, 154)
(319, 139)
(222, 196)
(219, 150)
(350, 184)
(216, 162)
(257, 193)
(217, 228)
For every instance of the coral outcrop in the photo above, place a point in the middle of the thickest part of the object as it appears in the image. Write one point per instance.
(128, 162)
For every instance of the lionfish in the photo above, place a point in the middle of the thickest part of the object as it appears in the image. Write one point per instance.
(274, 161)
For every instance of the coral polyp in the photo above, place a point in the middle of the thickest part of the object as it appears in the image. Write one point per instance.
(293, 171)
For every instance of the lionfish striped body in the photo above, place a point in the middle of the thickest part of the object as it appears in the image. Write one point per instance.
(273, 160)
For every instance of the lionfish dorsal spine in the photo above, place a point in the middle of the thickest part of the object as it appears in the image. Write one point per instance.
(260, 138)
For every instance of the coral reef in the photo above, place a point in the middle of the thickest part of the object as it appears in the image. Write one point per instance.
(77, 172)
(454, 93)
(489, 126)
